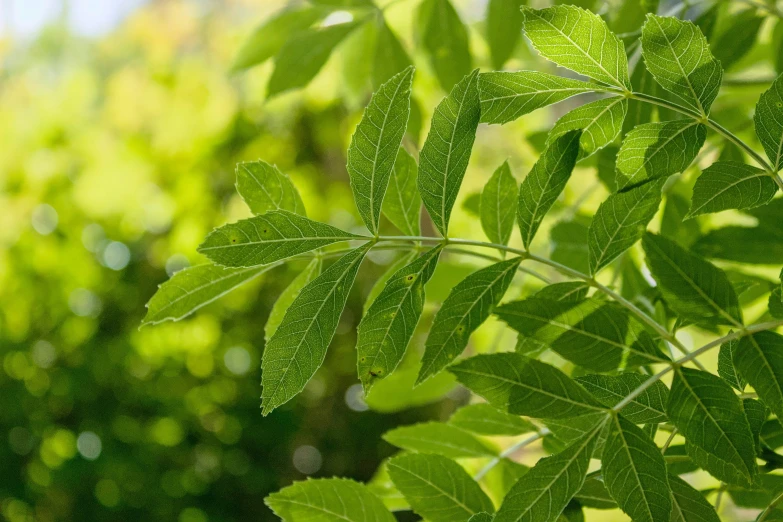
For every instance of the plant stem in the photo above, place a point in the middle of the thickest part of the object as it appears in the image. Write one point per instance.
(768, 510)
(669, 440)
(510, 450)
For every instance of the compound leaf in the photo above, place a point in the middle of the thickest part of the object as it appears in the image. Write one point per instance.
(268, 238)
(375, 144)
(694, 288)
(328, 500)
(505, 96)
(523, 386)
(444, 157)
(388, 325)
(402, 204)
(438, 488)
(579, 40)
(546, 180)
(265, 188)
(298, 347)
(727, 184)
(465, 309)
(678, 56)
(620, 222)
(635, 473)
(439, 438)
(497, 205)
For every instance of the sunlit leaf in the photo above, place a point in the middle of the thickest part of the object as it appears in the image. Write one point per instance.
(769, 122)
(759, 359)
(287, 297)
(600, 122)
(402, 204)
(439, 438)
(265, 188)
(390, 57)
(497, 205)
(726, 368)
(726, 184)
(649, 407)
(485, 419)
(504, 28)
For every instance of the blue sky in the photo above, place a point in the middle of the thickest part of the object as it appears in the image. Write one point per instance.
(86, 17)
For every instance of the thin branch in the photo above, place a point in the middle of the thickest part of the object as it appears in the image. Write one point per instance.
(509, 451)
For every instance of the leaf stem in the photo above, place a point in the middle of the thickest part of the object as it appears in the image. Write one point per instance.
(768, 510)
(543, 432)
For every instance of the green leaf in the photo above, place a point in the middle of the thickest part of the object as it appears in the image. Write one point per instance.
(497, 205)
(438, 488)
(446, 152)
(649, 407)
(694, 288)
(769, 122)
(398, 392)
(709, 415)
(303, 55)
(569, 242)
(375, 144)
(288, 296)
(658, 150)
(547, 179)
(439, 438)
(620, 222)
(592, 333)
(269, 37)
(756, 413)
(465, 309)
(481, 517)
(635, 473)
(544, 491)
(678, 56)
(738, 37)
(388, 325)
(445, 41)
(298, 347)
(485, 419)
(267, 238)
(600, 122)
(572, 291)
(759, 359)
(402, 204)
(265, 188)
(760, 245)
(192, 288)
(776, 304)
(688, 504)
(380, 283)
(594, 494)
(579, 40)
(328, 500)
(726, 367)
(523, 386)
(504, 27)
(505, 96)
(728, 184)
(390, 57)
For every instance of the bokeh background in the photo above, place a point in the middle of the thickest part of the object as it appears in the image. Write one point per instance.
(120, 125)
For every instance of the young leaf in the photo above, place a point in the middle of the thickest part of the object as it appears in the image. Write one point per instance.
(523, 386)
(465, 309)
(620, 222)
(542, 493)
(592, 333)
(769, 122)
(678, 56)
(444, 157)
(504, 27)
(759, 359)
(497, 205)
(445, 40)
(649, 407)
(658, 150)
(438, 488)
(267, 238)
(694, 288)
(728, 184)
(726, 368)
(374, 145)
(328, 500)
(298, 347)
(635, 473)
(505, 96)
(688, 504)
(709, 415)
(390, 57)
(387, 327)
(579, 40)
(439, 438)
(485, 419)
(600, 122)
(402, 204)
(547, 179)
(287, 297)
(265, 188)
(268, 38)
(303, 55)
(195, 287)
